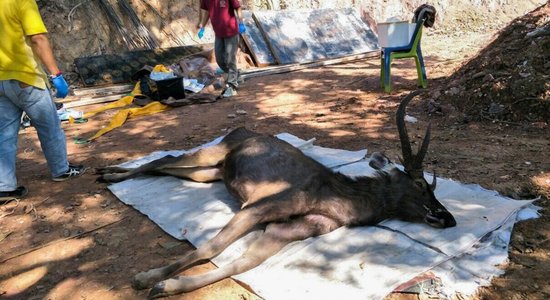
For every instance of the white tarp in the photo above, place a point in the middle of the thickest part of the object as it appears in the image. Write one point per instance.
(353, 263)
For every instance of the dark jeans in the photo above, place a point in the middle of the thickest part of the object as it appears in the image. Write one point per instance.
(226, 57)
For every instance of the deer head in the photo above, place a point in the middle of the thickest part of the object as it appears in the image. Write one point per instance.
(415, 197)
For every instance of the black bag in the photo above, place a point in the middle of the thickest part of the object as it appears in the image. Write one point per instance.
(172, 87)
(161, 89)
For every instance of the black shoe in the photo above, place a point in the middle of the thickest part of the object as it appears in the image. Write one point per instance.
(74, 171)
(19, 192)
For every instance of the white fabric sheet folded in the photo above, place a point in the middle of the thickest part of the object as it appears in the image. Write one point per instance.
(350, 263)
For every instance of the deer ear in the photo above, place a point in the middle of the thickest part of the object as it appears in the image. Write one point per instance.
(378, 161)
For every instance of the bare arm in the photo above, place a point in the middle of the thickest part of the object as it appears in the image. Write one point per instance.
(239, 15)
(200, 16)
(40, 45)
(204, 17)
(199, 21)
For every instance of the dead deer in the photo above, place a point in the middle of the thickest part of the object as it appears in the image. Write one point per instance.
(293, 196)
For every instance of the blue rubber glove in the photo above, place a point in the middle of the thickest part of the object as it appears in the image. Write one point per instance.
(61, 86)
(201, 33)
(242, 28)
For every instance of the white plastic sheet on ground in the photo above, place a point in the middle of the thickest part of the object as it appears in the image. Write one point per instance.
(351, 263)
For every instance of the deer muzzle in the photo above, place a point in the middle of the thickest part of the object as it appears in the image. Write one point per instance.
(440, 219)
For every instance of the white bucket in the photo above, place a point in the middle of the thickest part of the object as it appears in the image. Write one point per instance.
(395, 34)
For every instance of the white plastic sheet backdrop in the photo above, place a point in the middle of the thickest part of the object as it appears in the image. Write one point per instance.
(352, 263)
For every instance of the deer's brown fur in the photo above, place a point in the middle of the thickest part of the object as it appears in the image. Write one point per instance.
(292, 195)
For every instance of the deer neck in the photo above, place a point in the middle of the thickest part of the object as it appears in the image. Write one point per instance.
(370, 199)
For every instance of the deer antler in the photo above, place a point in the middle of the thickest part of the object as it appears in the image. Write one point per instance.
(411, 162)
(434, 182)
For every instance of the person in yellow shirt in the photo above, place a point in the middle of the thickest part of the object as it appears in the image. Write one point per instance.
(24, 88)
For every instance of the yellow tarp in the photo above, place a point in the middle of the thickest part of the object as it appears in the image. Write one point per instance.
(125, 101)
(125, 114)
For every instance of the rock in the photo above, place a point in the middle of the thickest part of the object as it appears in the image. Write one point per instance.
(169, 244)
(488, 78)
(100, 240)
(479, 75)
(495, 108)
(434, 107)
(410, 119)
(114, 241)
(231, 116)
(453, 91)
(541, 31)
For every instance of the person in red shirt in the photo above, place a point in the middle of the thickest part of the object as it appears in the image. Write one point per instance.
(226, 19)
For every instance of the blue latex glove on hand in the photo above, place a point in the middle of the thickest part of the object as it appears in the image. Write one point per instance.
(241, 28)
(201, 33)
(61, 86)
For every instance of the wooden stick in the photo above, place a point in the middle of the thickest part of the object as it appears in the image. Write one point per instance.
(61, 240)
(296, 67)
(251, 49)
(249, 42)
(119, 88)
(256, 70)
(300, 66)
(266, 38)
(89, 101)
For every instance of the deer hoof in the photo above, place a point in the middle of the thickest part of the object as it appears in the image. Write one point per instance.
(112, 177)
(172, 286)
(100, 179)
(144, 280)
(158, 291)
(106, 170)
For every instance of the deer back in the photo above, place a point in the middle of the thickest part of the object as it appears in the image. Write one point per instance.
(265, 165)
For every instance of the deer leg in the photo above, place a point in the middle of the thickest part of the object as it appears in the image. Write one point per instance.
(110, 169)
(150, 166)
(241, 223)
(266, 210)
(206, 157)
(274, 238)
(198, 174)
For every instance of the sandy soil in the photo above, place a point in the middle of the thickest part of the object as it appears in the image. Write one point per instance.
(75, 240)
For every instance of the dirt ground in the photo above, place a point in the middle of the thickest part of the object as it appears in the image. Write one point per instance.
(75, 240)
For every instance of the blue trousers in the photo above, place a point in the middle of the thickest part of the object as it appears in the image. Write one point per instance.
(16, 98)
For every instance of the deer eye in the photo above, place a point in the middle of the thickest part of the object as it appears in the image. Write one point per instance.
(420, 184)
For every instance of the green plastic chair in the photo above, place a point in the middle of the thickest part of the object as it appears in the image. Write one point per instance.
(411, 50)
